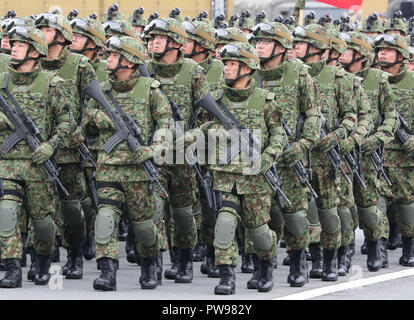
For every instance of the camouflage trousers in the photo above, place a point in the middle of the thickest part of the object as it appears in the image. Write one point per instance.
(315, 228)
(365, 198)
(90, 216)
(400, 195)
(326, 184)
(254, 213)
(346, 202)
(139, 205)
(38, 199)
(181, 185)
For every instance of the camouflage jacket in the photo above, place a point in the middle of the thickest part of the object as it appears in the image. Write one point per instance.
(45, 98)
(214, 74)
(142, 99)
(4, 62)
(78, 79)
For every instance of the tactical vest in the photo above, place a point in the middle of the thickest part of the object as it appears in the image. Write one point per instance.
(287, 93)
(371, 86)
(100, 71)
(33, 100)
(214, 74)
(134, 103)
(179, 89)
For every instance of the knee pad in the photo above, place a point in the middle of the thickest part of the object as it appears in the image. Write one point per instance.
(345, 216)
(72, 214)
(197, 208)
(44, 228)
(145, 232)
(406, 213)
(330, 221)
(159, 213)
(261, 237)
(313, 216)
(225, 230)
(296, 223)
(104, 225)
(183, 219)
(276, 218)
(87, 208)
(369, 216)
(9, 213)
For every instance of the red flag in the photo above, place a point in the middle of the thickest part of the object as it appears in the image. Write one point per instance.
(344, 4)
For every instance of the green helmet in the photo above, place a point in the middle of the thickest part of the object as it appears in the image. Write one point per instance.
(113, 13)
(129, 47)
(89, 28)
(168, 27)
(176, 14)
(337, 42)
(310, 18)
(359, 42)
(201, 32)
(56, 21)
(119, 28)
(397, 22)
(243, 52)
(245, 21)
(29, 35)
(393, 41)
(275, 31)
(372, 24)
(137, 18)
(314, 34)
(232, 34)
(9, 24)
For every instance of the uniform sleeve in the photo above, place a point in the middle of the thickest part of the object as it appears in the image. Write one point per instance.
(200, 89)
(60, 101)
(86, 74)
(364, 126)
(308, 107)
(161, 112)
(347, 106)
(277, 136)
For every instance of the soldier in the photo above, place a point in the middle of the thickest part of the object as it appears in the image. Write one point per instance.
(44, 98)
(396, 25)
(78, 73)
(245, 23)
(372, 26)
(228, 35)
(299, 110)
(372, 217)
(392, 53)
(123, 183)
(199, 47)
(245, 196)
(336, 100)
(184, 82)
(137, 20)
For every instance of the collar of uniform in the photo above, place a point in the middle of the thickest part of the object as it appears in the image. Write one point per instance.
(273, 74)
(239, 95)
(316, 67)
(398, 77)
(206, 63)
(124, 85)
(24, 78)
(57, 63)
(168, 70)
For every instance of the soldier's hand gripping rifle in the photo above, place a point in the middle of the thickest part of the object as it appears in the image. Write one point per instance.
(403, 132)
(25, 129)
(355, 168)
(234, 127)
(299, 167)
(126, 130)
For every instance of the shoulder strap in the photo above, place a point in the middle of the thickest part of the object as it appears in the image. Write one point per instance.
(291, 74)
(407, 82)
(42, 82)
(257, 99)
(142, 88)
(327, 75)
(215, 71)
(185, 75)
(373, 79)
(69, 69)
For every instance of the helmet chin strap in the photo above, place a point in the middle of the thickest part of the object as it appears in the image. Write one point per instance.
(85, 47)
(194, 52)
(272, 55)
(353, 60)
(55, 41)
(309, 55)
(159, 55)
(18, 62)
(385, 64)
(231, 82)
(119, 66)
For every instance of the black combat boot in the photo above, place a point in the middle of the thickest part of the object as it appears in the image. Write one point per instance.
(342, 253)
(364, 249)
(184, 266)
(227, 284)
(282, 243)
(330, 265)
(56, 253)
(42, 269)
(130, 250)
(394, 237)
(88, 249)
(252, 283)
(69, 264)
(298, 272)
(158, 263)
(407, 258)
(76, 272)
(308, 255)
(208, 267)
(247, 263)
(24, 260)
(171, 273)
(315, 250)
(107, 279)
(265, 282)
(384, 253)
(123, 230)
(13, 276)
(351, 248)
(32, 270)
(148, 279)
(374, 261)
(199, 251)
(2, 264)
(286, 260)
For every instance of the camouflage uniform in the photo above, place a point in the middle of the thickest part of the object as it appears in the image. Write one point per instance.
(123, 183)
(23, 180)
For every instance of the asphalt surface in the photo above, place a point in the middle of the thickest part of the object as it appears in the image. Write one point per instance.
(202, 288)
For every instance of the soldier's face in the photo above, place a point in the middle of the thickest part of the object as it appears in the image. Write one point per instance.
(188, 46)
(19, 50)
(49, 33)
(138, 29)
(150, 45)
(387, 55)
(300, 48)
(160, 43)
(231, 69)
(78, 42)
(265, 47)
(218, 49)
(112, 61)
(347, 56)
(410, 66)
(5, 42)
